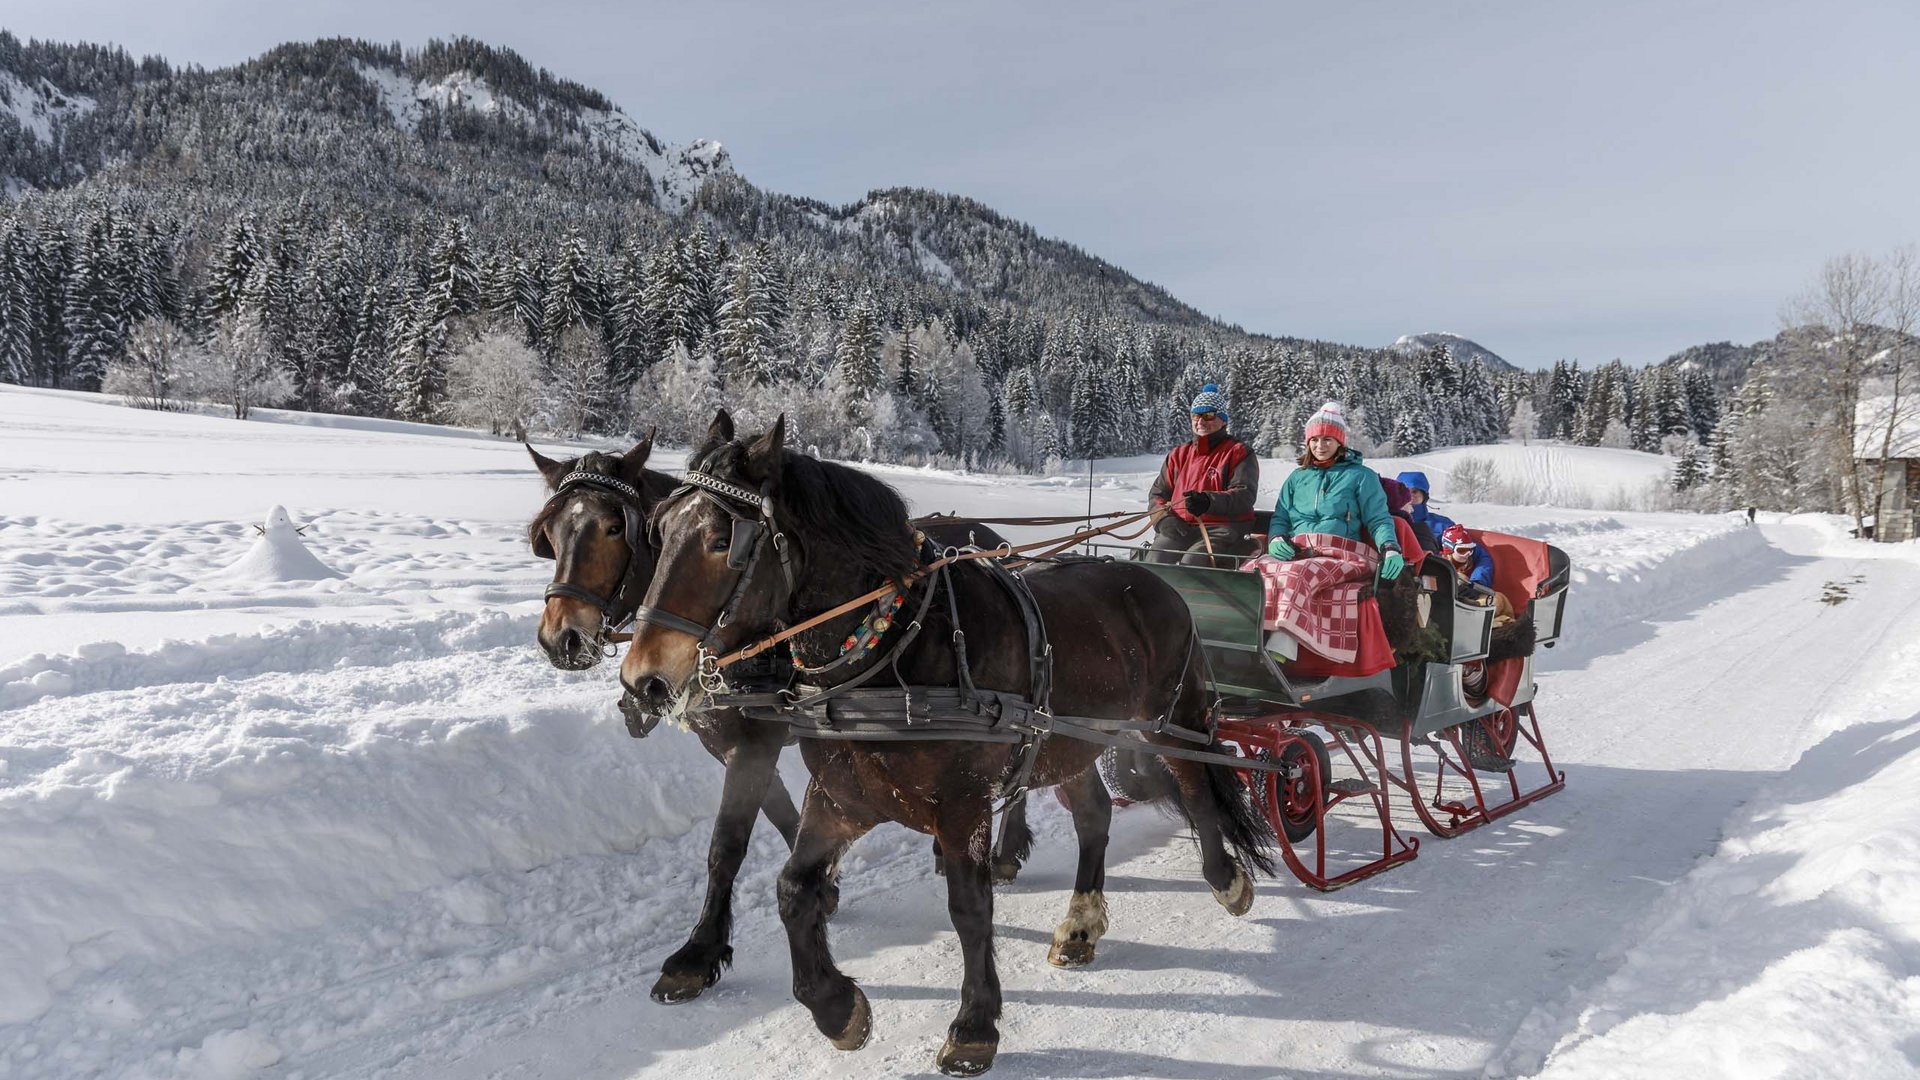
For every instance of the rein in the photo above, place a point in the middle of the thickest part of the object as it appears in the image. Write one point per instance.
(1052, 546)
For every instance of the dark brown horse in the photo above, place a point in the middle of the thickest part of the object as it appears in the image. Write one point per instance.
(1123, 649)
(595, 531)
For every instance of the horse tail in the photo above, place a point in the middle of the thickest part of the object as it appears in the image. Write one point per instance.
(1246, 832)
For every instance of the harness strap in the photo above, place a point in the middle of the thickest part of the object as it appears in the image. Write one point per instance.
(1054, 545)
(645, 614)
(575, 592)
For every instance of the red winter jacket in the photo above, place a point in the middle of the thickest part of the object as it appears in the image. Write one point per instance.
(1219, 465)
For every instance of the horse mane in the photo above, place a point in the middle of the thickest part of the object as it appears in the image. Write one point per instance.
(860, 520)
(653, 485)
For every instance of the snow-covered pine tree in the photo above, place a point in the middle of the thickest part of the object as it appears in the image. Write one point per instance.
(630, 344)
(1688, 471)
(857, 358)
(232, 265)
(95, 332)
(573, 293)
(17, 304)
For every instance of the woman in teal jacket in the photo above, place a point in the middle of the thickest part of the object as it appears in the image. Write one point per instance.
(1328, 509)
(1333, 493)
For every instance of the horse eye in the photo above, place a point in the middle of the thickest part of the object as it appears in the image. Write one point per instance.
(616, 528)
(721, 543)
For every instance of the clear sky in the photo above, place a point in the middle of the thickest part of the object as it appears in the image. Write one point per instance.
(1551, 179)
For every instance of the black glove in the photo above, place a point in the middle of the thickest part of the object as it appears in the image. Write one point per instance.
(1197, 502)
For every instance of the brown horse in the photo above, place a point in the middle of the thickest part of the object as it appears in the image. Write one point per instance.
(1123, 648)
(596, 532)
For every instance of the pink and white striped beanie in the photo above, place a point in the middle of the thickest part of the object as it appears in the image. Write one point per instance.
(1330, 420)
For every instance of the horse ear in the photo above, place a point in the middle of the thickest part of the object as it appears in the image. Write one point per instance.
(721, 430)
(554, 471)
(634, 461)
(763, 457)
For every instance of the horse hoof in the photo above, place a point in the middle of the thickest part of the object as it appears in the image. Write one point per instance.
(859, 1025)
(966, 1058)
(1005, 872)
(1237, 897)
(674, 989)
(1070, 954)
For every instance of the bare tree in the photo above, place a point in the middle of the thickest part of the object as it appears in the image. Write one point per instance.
(1891, 405)
(1472, 478)
(239, 368)
(154, 373)
(579, 383)
(1839, 316)
(494, 381)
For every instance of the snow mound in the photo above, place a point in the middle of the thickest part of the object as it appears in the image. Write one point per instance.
(279, 554)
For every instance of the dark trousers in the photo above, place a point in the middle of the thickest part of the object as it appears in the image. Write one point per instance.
(1178, 542)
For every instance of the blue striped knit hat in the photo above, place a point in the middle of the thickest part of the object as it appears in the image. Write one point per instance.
(1210, 399)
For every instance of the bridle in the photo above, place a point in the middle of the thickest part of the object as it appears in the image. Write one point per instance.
(754, 530)
(616, 611)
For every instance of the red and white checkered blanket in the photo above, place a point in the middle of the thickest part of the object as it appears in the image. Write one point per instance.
(1317, 599)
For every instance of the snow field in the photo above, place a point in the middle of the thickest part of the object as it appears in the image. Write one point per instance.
(360, 827)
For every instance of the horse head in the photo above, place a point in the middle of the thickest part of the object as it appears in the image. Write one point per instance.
(593, 527)
(716, 585)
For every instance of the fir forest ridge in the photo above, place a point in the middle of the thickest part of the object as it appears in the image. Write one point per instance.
(449, 234)
(374, 210)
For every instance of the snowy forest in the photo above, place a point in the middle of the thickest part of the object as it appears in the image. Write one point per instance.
(450, 235)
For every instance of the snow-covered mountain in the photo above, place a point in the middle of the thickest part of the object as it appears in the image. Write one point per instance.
(677, 172)
(1463, 349)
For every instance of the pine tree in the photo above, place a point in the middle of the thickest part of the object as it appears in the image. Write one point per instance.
(95, 330)
(857, 359)
(573, 292)
(232, 265)
(1688, 472)
(17, 303)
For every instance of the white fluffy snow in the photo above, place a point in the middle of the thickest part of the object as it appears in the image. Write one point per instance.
(38, 106)
(359, 827)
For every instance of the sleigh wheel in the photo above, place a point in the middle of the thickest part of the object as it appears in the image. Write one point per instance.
(1289, 801)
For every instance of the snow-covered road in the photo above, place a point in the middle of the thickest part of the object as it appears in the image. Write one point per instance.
(358, 827)
(1426, 971)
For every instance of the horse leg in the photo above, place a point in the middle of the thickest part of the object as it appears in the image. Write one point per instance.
(751, 772)
(939, 859)
(965, 828)
(1077, 935)
(839, 1009)
(779, 810)
(1010, 851)
(1201, 797)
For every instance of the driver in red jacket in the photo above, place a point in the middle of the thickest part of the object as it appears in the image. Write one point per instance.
(1210, 484)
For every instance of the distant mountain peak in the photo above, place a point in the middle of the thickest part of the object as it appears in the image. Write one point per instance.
(676, 171)
(1463, 348)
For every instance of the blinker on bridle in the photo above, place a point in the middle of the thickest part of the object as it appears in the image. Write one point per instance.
(614, 610)
(752, 516)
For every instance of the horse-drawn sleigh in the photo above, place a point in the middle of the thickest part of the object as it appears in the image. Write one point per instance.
(772, 595)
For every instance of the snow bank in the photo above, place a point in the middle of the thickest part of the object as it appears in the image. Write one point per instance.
(284, 782)
(1793, 952)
